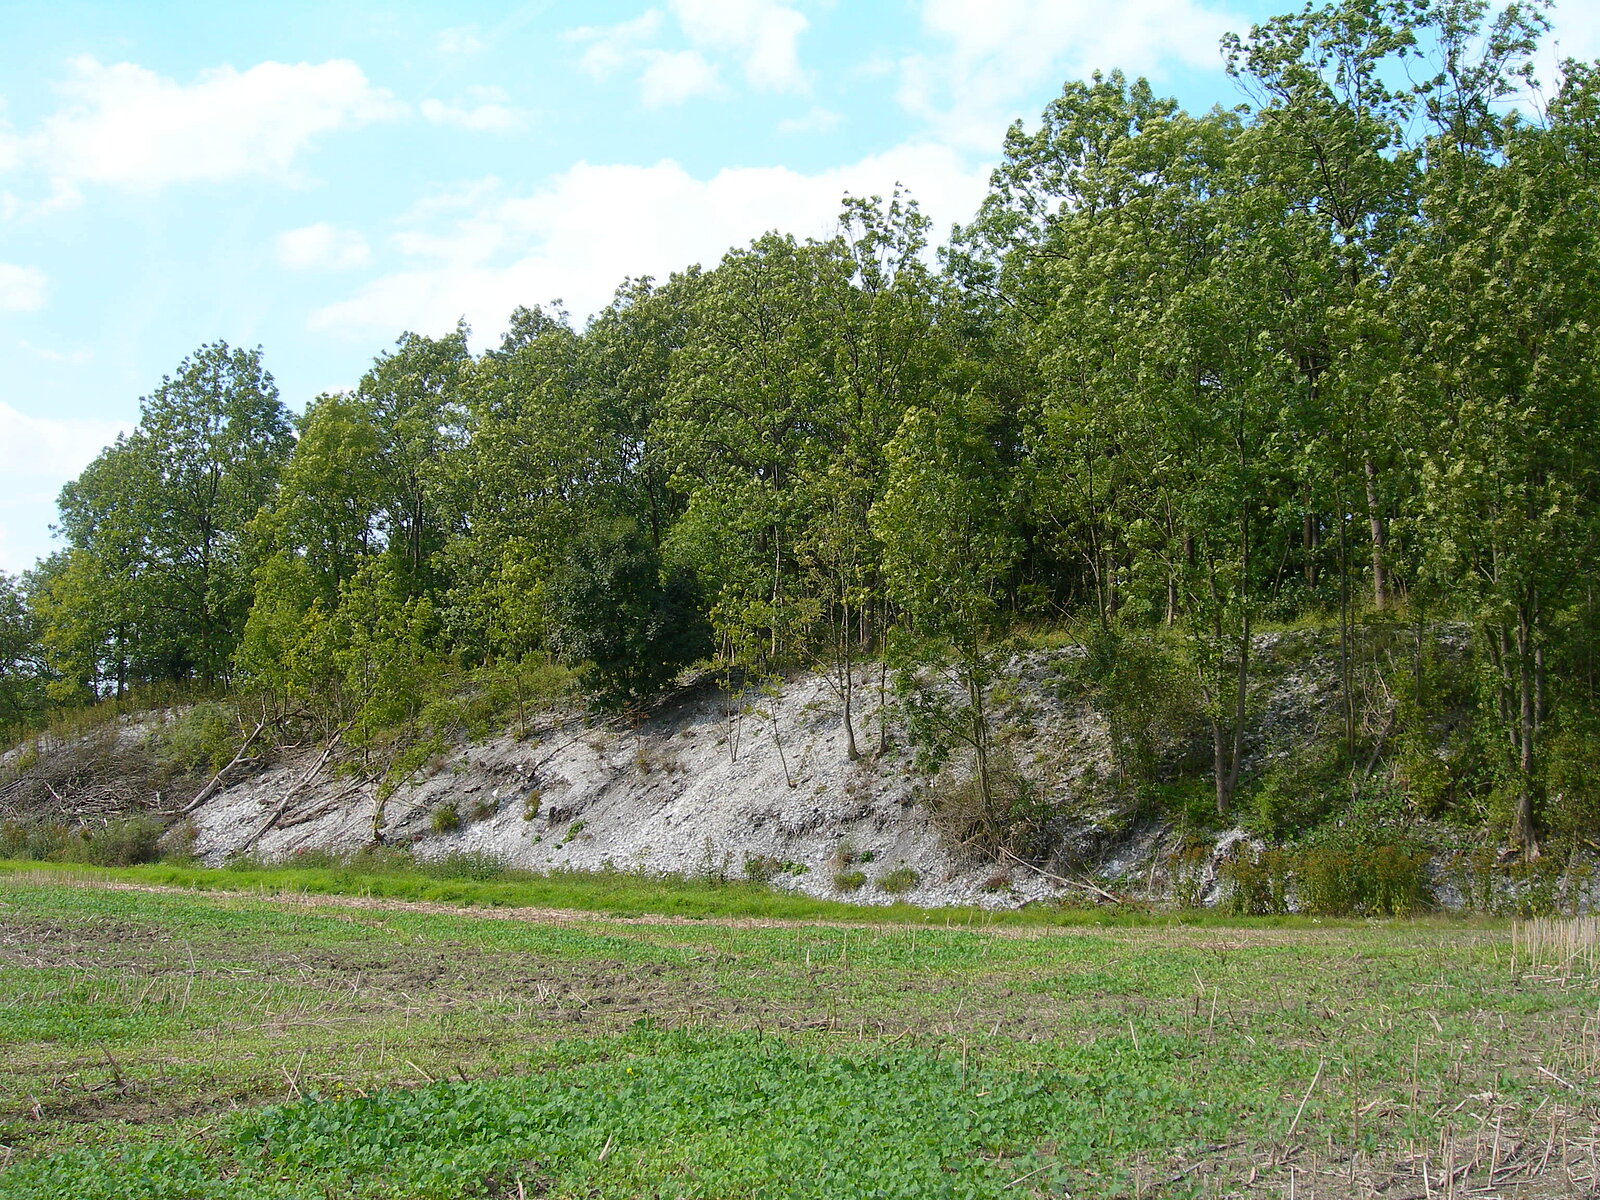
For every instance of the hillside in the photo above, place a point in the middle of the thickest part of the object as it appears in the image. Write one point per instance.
(758, 784)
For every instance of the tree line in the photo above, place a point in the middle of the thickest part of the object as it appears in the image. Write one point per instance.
(1325, 356)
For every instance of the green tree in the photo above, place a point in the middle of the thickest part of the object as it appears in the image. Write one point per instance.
(948, 541)
(616, 607)
(1499, 294)
(22, 672)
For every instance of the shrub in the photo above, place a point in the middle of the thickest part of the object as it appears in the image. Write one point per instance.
(1014, 818)
(1188, 864)
(178, 843)
(124, 843)
(530, 805)
(200, 741)
(36, 842)
(1341, 880)
(1257, 882)
(762, 868)
(849, 881)
(1399, 880)
(484, 808)
(446, 818)
(901, 879)
(1296, 792)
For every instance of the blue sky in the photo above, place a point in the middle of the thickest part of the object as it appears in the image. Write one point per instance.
(318, 178)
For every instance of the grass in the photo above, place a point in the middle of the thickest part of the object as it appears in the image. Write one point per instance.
(470, 882)
(233, 1045)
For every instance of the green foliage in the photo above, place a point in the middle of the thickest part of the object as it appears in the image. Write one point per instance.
(157, 527)
(1369, 861)
(616, 607)
(901, 879)
(849, 880)
(446, 819)
(1298, 791)
(125, 842)
(22, 674)
(1257, 881)
(202, 739)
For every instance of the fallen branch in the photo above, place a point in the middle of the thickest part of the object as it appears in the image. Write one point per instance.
(289, 794)
(1080, 884)
(210, 789)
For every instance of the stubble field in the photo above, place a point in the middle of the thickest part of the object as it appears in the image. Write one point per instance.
(169, 1044)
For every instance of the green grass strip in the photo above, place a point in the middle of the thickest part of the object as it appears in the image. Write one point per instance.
(621, 893)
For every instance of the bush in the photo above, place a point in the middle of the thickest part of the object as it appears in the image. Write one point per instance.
(1257, 882)
(1338, 878)
(39, 843)
(446, 818)
(201, 741)
(849, 881)
(125, 843)
(178, 843)
(901, 879)
(1014, 819)
(762, 868)
(1188, 864)
(1296, 792)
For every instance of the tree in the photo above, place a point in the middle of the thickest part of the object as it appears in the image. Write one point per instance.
(217, 437)
(1499, 296)
(21, 659)
(415, 394)
(326, 507)
(616, 608)
(947, 544)
(162, 520)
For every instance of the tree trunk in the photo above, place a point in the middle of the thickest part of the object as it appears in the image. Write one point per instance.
(1380, 588)
(1523, 833)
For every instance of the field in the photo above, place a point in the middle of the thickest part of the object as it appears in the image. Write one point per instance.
(161, 1043)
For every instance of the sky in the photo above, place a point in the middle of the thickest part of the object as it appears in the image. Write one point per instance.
(317, 179)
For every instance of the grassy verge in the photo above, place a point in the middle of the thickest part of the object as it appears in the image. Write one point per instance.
(216, 1045)
(617, 893)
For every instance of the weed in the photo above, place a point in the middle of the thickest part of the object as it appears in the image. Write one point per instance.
(1257, 882)
(446, 818)
(901, 879)
(761, 868)
(849, 881)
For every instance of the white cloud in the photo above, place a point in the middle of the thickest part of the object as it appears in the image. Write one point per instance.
(69, 357)
(463, 39)
(612, 48)
(491, 113)
(818, 120)
(758, 36)
(37, 456)
(675, 76)
(127, 126)
(761, 34)
(322, 247)
(21, 288)
(577, 237)
(1000, 51)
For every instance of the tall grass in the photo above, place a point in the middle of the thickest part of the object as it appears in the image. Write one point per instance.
(1568, 947)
